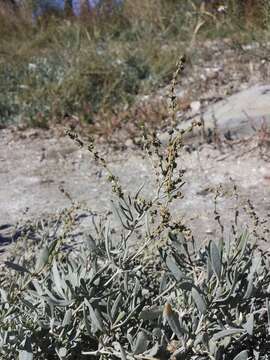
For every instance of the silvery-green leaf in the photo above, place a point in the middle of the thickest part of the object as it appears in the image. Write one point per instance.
(256, 355)
(54, 300)
(173, 267)
(141, 343)
(136, 289)
(136, 292)
(74, 279)
(125, 209)
(172, 318)
(250, 288)
(163, 283)
(122, 351)
(153, 351)
(57, 279)
(3, 294)
(67, 318)
(107, 241)
(99, 318)
(212, 346)
(62, 352)
(16, 267)
(268, 312)
(227, 246)
(129, 337)
(243, 243)
(118, 215)
(52, 246)
(95, 318)
(224, 343)
(221, 246)
(125, 282)
(26, 353)
(229, 278)
(177, 239)
(215, 259)
(151, 314)
(71, 289)
(199, 300)
(139, 191)
(87, 323)
(108, 314)
(249, 325)
(29, 304)
(197, 324)
(198, 340)
(256, 263)
(209, 268)
(243, 355)
(90, 242)
(115, 306)
(120, 316)
(227, 332)
(42, 259)
(231, 286)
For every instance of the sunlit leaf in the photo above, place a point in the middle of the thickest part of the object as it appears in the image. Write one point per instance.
(42, 258)
(199, 300)
(227, 332)
(243, 355)
(67, 318)
(172, 318)
(141, 343)
(26, 353)
(57, 279)
(249, 325)
(215, 259)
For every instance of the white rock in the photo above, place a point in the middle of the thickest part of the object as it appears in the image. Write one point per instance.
(129, 143)
(195, 106)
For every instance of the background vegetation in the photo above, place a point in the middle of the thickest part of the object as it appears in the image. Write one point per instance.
(94, 66)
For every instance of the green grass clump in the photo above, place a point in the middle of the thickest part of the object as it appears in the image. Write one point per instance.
(81, 80)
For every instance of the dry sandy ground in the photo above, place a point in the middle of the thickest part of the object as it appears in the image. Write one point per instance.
(34, 165)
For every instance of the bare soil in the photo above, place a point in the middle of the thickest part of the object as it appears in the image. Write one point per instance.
(35, 166)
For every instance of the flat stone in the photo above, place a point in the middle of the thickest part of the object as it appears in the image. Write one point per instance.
(240, 113)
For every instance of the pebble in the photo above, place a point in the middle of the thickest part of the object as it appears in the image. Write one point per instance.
(195, 106)
(129, 143)
(164, 138)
